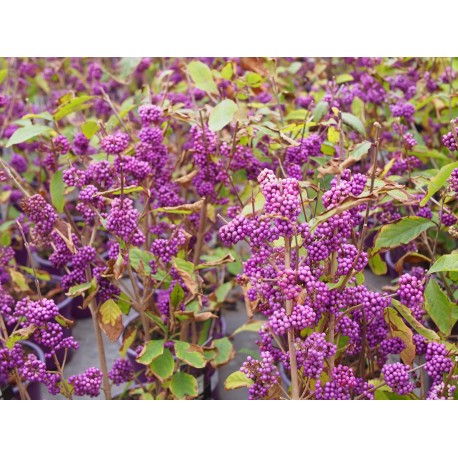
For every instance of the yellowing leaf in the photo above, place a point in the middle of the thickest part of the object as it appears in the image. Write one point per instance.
(110, 311)
(237, 380)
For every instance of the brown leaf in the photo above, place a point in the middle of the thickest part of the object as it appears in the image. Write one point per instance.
(330, 168)
(65, 322)
(113, 332)
(254, 64)
(127, 340)
(187, 208)
(274, 393)
(399, 329)
(190, 278)
(249, 305)
(186, 178)
(191, 316)
(25, 332)
(225, 260)
(211, 213)
(87, 300)
(65, 231)
(412, 258)
(348, 203)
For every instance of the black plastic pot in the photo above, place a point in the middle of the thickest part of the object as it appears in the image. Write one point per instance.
(33, 389)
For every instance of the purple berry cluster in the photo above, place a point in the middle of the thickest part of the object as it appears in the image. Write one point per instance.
(397, 378)
(88, 383)
(121, 372)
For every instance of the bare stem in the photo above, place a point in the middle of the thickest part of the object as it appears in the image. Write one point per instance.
(291, 342)
(100, 345)
(366, 217)
(32, 264)
(201, 233)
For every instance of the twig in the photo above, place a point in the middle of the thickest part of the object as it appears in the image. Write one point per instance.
(118, 117)
(291, 342)
(366, 217)
(32, 264)
(201, 232)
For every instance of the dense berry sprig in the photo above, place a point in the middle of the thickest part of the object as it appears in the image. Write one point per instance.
(121, 372)
(115, 144)
(397, 378)
(87, 383)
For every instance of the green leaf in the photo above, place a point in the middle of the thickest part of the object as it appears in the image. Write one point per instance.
(401, 232)
(42, 83)
(41, 274)
(251, 326)
(344, 78)
(202, 77)
(439, 308)
(127, 340)
(57, 188)
(44, 115)
(163, 365)
(139, 260)
(237, 380)
(19, 280)
(127, 66)
(259, 202)
(423, 151)
(406, 313)
(328, 149)
(110, 312)
(27, 133)
(73, 105)
(438, 181)
(151, 351)
(222, 291)
(183, 385)
(384, 395)
(13, 339)
(222, 115)
(446, 263)
(253, 79)
(190, 354)
(182, 264)
(333, 134)
(89, 129)
(77, 290)
(158, 321)
(298, 115)
(20, 334)
(3, 74)
(357, 107)
(227, 71)
(127, 190)
(320, 110)
(378, 265)
(225, 351)
(361, 150)
(124, 303)
(355, 123)
(177, 295)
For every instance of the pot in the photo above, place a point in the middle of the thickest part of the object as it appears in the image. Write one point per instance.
(33, 389)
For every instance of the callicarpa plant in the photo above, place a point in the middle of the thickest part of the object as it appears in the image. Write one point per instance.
(312, 199)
